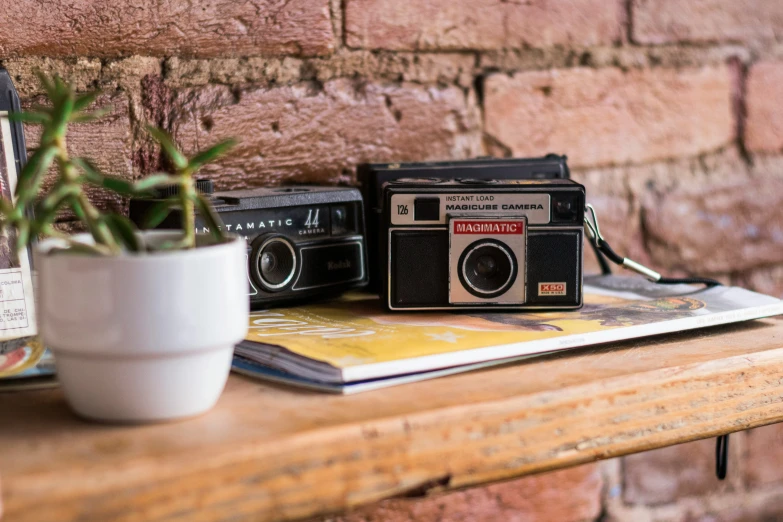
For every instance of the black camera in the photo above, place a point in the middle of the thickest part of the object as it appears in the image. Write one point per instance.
(372, 177)
(482, 244)
(302, 242)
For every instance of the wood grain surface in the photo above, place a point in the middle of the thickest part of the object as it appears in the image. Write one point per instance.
(270, 453)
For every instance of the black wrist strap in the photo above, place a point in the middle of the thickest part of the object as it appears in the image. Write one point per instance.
(604, 251)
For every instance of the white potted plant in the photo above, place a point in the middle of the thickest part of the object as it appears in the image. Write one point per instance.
(142, 324)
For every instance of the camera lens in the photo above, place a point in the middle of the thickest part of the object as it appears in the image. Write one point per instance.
(487, 268)
(275, 263)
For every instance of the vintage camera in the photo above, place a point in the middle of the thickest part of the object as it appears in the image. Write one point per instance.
(372, 177)
(482, 244)
(303, 242)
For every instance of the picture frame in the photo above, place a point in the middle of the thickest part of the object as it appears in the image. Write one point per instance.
(17, 303)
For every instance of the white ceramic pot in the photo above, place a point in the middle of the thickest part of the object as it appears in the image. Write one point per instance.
(141, 338)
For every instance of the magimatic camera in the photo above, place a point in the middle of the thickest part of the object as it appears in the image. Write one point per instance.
(302, 242)
(372, 176)
(482, 244)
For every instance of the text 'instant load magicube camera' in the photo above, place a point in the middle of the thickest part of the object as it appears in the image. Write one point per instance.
(479, 244)
(302, 242)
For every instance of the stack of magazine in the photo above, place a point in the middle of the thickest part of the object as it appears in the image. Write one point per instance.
(29, 366)
(353, 345)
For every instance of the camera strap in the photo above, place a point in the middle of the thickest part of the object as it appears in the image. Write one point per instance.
(602, 248)
(604, 251)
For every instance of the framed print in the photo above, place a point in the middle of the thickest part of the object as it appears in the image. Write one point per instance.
(17, 304)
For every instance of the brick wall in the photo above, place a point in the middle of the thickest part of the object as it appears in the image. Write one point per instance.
(671, 112)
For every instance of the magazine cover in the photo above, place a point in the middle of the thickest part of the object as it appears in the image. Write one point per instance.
(17, 308)
(354, 339)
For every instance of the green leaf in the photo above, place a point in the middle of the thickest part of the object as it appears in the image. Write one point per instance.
(119, 185)
(30, 117)
(85, 100)
(155, 181)
(77, 208)
(211, 218)
(61, 115)
(54, 200)
(91, 172)
(84, 117)
(60, 87)
(158, 212)
(22, 235)
(33, 173)
(174, 245)
(169, 146)
(94, 176)
(123, 230)
(215, 151)
(62, 94)
(47, 85)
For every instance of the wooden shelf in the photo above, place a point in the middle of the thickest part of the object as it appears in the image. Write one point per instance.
(269, 453)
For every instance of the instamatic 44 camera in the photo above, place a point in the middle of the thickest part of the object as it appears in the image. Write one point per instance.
(482, 244)
(302, 242)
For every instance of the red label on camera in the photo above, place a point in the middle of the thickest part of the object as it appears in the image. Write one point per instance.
(551, 289)
(489, 227)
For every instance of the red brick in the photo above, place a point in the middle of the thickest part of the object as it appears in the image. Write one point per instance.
(764, 103)
(107, 142)
(313, 133)
(166, 27)
(608, 116)
(663, 21)
(764, 455)
(480, 24)
(571, 495)
(664, 475)
(718, 226)
(767, 280)
(748, 509)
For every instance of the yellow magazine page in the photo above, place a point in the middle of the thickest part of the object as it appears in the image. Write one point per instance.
(357, 331)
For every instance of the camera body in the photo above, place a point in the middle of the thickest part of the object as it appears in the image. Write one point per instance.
(482, 244)
(303, 242)
(372, 177)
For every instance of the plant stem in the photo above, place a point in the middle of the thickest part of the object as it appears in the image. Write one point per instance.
(99, 230)
(186, 192)
(91, 217)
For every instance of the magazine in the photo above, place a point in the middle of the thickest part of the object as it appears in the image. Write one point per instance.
(250, 368)
(28, 367)
(355, 341)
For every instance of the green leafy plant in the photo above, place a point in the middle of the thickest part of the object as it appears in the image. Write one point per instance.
(35, 210)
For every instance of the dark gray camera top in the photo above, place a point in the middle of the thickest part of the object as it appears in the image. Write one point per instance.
(276, 197)
(372, 176)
